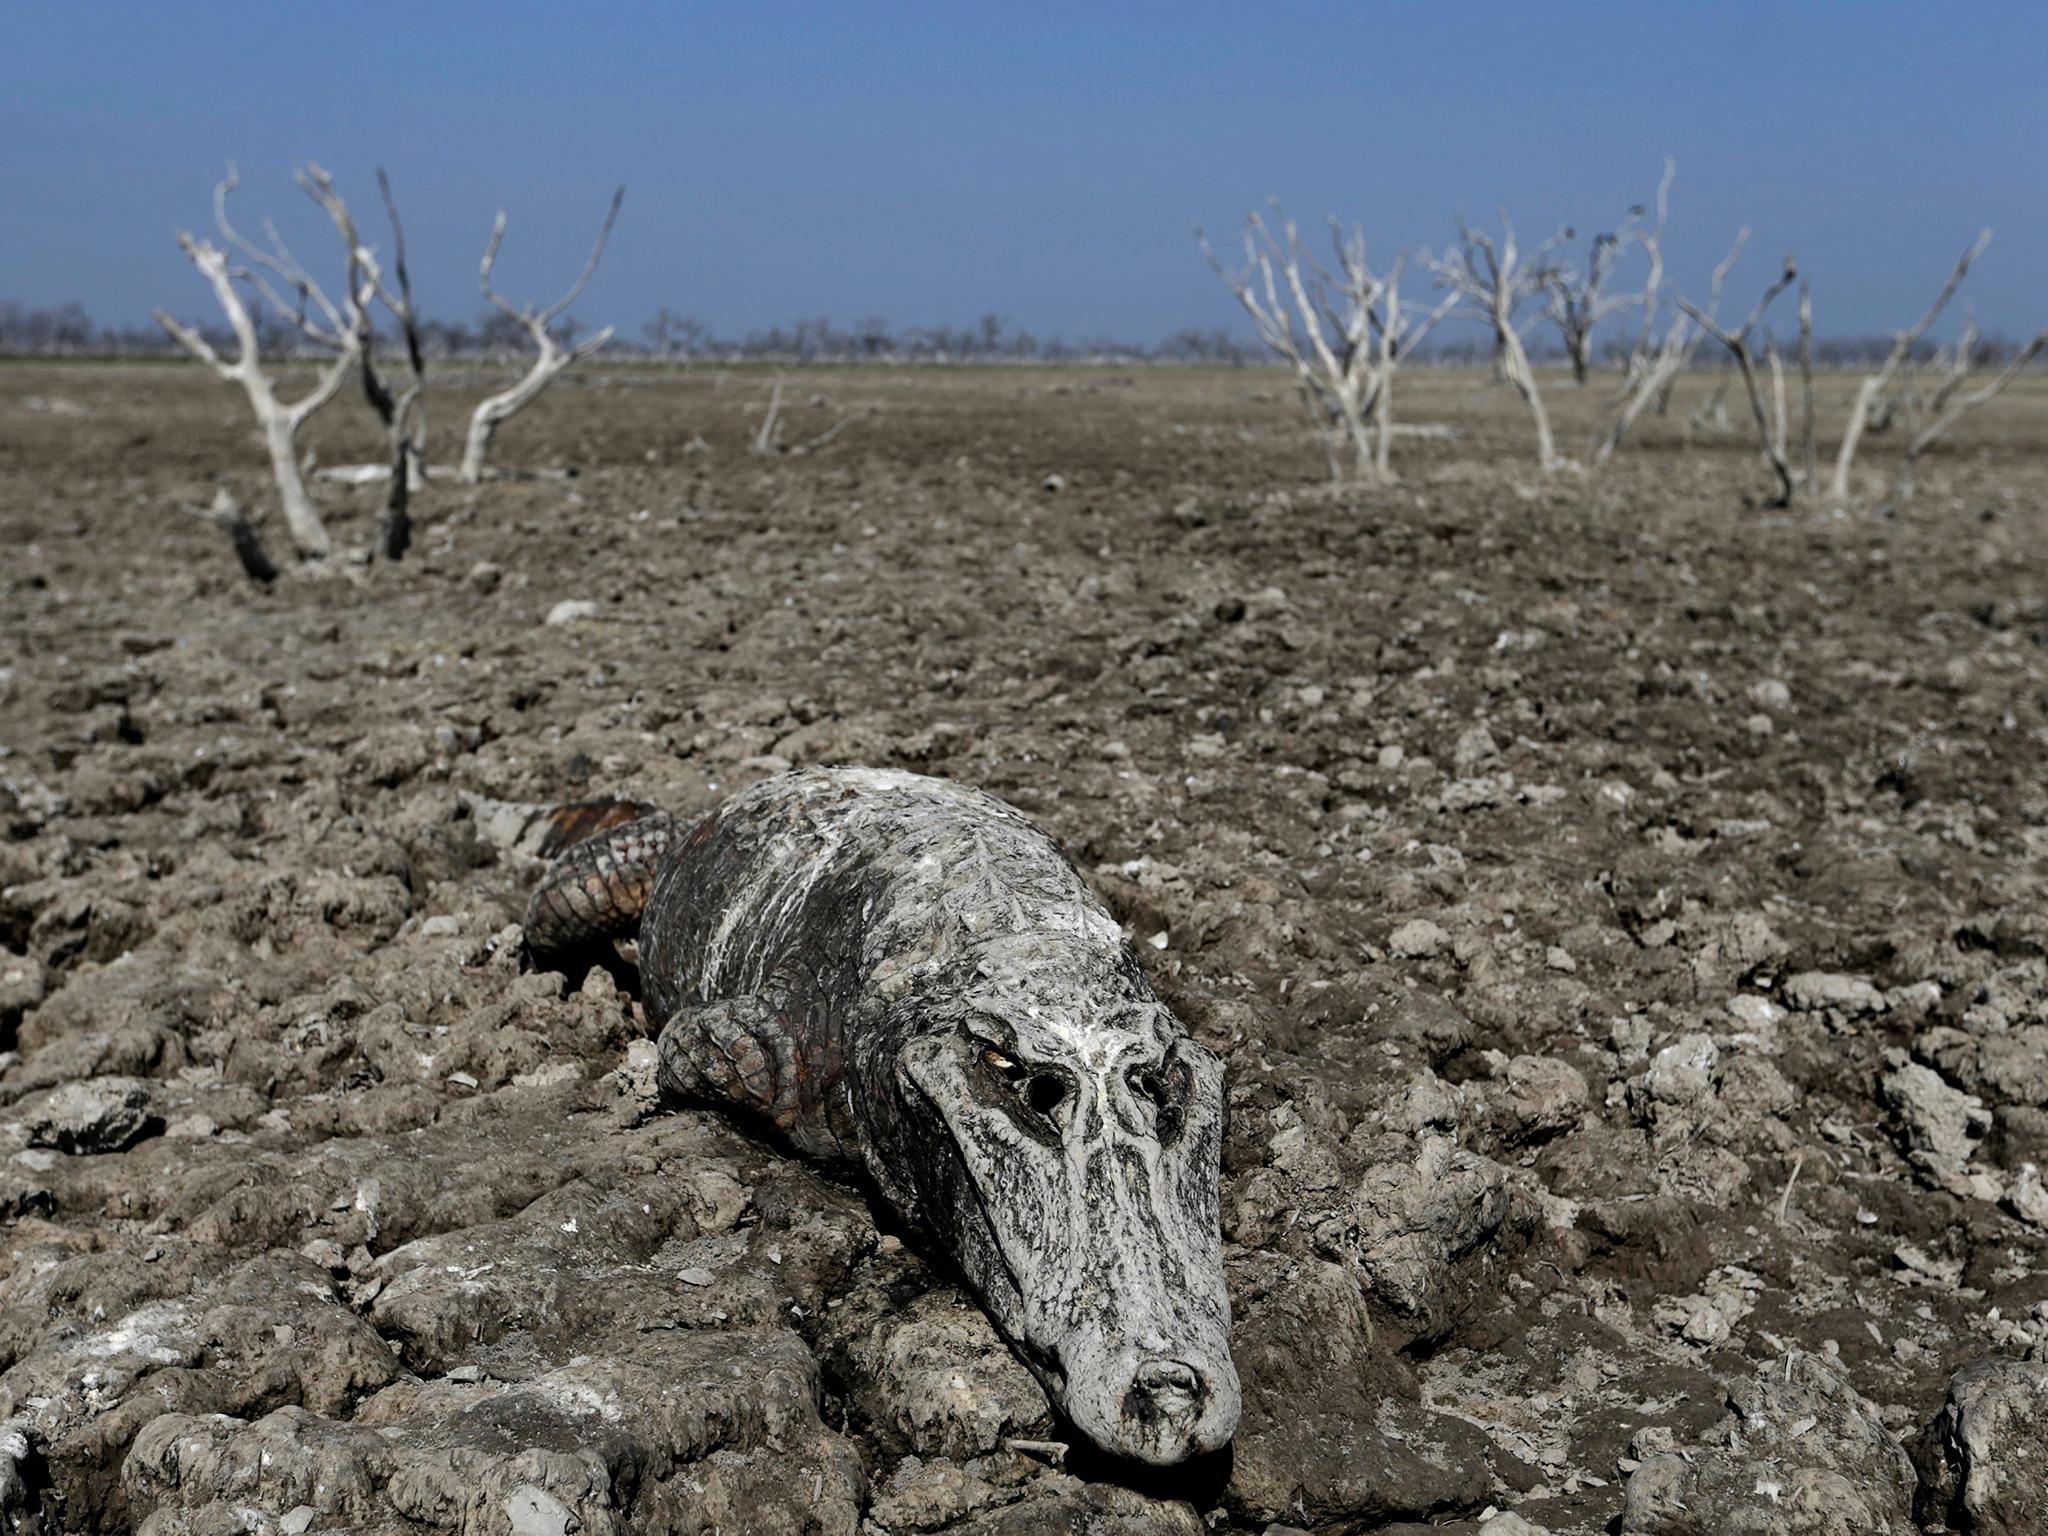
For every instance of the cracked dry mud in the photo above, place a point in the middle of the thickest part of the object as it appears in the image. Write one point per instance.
(1620, 912)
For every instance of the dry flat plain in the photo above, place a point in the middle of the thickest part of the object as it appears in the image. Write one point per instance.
(1620, 908)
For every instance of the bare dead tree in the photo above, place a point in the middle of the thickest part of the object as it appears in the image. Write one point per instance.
(1956, 406)
(403, 412)
(328, 328)
(1354, 332)
(1652, 372)
(1902, 347)
(1577, 302)
(400, 410)
(1501, 282)
(551, 356)
(1769, 427)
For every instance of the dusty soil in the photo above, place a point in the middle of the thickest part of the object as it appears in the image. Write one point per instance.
(1621, 910)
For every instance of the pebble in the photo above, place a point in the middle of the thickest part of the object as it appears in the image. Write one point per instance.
(1419, 939)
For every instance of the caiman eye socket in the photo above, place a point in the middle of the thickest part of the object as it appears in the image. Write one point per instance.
(1044, 1092)
(1165, 1088)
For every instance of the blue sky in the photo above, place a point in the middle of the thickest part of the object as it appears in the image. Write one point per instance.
(931, 162)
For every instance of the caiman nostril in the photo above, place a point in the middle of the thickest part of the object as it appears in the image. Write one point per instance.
(1166, 1390)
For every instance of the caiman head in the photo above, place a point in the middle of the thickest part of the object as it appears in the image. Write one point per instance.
(1067, 1151)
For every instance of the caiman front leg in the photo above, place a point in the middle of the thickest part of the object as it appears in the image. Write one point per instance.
(749, 1054)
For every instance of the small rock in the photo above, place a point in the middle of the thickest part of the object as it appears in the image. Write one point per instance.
(1053, 484)
(1474, 747)
(572, 610)
(2027, 1198)
(1940, 1125)
(1419, 939)
(484, 577)
(1266, 603)
(1983, 1462)
(22, 987)
(327, 1254)
(1683, 1072)
(1756, 1012)
(1813, 991)
(297, 1520)
(1770, 694)
(101, 1114)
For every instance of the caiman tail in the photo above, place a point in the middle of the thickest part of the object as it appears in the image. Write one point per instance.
(607, 853)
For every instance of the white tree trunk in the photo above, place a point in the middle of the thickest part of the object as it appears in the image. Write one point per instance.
(1852, 434)
(1524, 380)
(280, 437)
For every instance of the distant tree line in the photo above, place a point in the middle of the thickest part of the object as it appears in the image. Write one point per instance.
(68, 330)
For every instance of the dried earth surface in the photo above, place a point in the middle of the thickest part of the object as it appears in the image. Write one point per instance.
(1620, 908)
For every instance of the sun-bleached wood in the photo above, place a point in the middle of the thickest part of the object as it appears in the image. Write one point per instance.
(400, 410)
(1770, 426)
(1954, 407)
(1500, 282)
(1652, 240)
(1354, 332)
(550, 358)
(1902, 347)
(280, 422)
(1577, 302)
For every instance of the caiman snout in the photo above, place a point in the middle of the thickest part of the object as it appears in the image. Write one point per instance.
(1167, 1410)
(1166, 1393)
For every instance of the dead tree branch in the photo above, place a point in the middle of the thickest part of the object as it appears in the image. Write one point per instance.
(328, 330)
(1769, 430)
(1640, 356)
(1902, 348)
(551, 356)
